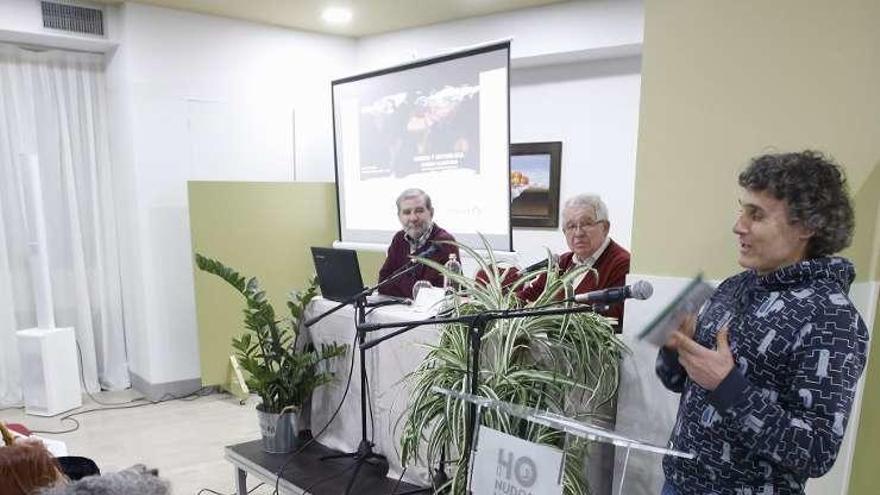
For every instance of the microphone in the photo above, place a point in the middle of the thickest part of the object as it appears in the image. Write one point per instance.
(432, 248)
(541, 265)
(640, 290)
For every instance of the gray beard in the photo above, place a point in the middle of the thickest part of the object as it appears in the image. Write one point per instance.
(417, 235)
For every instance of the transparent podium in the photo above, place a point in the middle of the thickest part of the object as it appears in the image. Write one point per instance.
(525, 470)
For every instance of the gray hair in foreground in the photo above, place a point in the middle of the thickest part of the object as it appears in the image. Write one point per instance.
(132, 481)
(415, 192)
(593, 201)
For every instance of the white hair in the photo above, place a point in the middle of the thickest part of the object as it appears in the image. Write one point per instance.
(593, 201)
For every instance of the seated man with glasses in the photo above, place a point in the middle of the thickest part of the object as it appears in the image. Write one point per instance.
(585, 225)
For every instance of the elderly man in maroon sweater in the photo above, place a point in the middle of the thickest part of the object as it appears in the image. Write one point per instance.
(585, 225)
(416, 215)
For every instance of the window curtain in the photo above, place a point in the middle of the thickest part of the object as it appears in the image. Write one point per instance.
(53, 104)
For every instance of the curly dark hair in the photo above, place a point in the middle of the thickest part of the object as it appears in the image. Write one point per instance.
(815, 191)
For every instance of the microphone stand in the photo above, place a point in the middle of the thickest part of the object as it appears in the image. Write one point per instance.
(439, 477)
(365, 453)
(477, 324)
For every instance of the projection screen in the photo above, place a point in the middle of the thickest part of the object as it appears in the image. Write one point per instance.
(439, 124)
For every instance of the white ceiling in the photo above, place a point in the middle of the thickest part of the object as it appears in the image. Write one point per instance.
(369, 16)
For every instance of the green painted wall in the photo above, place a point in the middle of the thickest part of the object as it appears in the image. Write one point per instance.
(370, 263)
(263, 230)
(866, 241)
(865, 477)
(260, 229)
(723, 81)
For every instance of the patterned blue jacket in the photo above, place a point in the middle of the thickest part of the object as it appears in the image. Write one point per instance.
(779, 416)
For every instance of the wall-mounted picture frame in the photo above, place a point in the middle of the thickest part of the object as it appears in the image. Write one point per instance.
(534, 184)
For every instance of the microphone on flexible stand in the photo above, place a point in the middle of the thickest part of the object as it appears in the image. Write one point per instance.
(640, 290)
(432, 248)
(429, 251)
(541, 265)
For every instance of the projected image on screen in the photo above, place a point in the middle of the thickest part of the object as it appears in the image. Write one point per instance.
(440, 125)
(421, 131)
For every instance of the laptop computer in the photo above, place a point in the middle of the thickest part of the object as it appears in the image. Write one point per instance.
(339, 273)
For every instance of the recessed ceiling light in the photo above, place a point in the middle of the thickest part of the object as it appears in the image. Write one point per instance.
(336, 15)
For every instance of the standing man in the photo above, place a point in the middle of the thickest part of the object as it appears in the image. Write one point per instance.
(416, 216)
(585, 225)
(768, 369)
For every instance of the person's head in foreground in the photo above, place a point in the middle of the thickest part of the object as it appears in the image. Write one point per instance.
(25, 467)
(136, 480)
(794, 207)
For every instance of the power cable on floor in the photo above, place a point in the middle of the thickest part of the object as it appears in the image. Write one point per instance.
(76, 426)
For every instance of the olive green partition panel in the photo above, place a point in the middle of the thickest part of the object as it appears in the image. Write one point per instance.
(259, 229)
(370, 262)
(262, 229)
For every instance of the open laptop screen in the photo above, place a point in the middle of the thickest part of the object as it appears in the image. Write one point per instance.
(339, 273)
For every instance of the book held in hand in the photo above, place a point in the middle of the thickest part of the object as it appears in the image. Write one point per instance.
(688, 301)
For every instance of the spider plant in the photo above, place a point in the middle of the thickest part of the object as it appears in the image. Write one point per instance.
(562, 363)
(279, 370)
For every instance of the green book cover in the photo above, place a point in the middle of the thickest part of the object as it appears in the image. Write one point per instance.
(688, 301)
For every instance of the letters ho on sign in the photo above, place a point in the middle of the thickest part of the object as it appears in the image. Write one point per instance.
(507, 465)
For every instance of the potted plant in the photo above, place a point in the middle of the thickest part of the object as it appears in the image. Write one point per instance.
(563, 363)
(281, 369)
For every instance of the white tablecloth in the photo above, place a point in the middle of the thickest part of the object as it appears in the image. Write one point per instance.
(387, 364)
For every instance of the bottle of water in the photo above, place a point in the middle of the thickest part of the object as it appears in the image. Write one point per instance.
(453, 266)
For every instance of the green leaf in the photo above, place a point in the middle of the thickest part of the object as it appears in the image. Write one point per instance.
(563, 363)
(267, 351)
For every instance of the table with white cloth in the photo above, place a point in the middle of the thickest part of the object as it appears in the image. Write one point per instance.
(386, 364)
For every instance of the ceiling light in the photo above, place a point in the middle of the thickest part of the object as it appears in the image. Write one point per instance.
(336, 15)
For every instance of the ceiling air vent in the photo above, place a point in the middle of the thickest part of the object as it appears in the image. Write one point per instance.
(73, 18)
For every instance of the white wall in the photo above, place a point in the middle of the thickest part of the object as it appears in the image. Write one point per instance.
(541, 35)
(208, 98)
(20, 15)
(593, 108)
(201, 97)
(575, 78)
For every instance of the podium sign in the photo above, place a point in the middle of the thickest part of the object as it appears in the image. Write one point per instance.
(504, 464)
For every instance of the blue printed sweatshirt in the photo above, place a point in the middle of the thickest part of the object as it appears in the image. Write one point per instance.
(779, 417)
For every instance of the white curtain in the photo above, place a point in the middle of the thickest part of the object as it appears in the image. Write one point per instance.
(53, 104)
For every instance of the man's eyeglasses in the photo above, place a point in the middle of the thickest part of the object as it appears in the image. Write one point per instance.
(580, 226)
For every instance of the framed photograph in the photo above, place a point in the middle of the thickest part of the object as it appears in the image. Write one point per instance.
(534, 184)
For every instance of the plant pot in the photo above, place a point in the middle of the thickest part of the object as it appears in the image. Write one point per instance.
(279, 431)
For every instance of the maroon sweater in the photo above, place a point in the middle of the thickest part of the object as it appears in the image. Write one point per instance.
(399, 255)
(612, 267)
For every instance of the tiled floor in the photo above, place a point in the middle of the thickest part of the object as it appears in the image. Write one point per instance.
(184, 439)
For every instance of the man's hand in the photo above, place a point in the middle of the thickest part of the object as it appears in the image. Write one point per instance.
(706, 367)
(686, 328)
